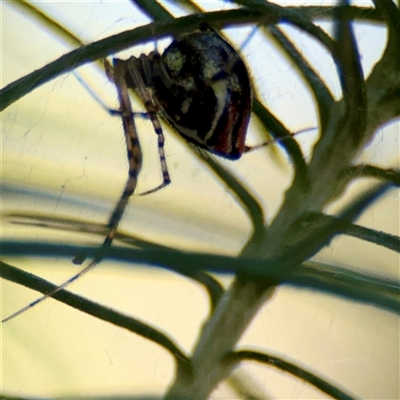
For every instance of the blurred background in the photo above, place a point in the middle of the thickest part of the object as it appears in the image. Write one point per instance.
(64, 156)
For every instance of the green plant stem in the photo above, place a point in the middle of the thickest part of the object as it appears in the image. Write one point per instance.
(293, 368)
(337, 281)
(106, 314)
(349, 128)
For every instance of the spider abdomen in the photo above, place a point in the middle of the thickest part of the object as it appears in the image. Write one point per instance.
(203, 88)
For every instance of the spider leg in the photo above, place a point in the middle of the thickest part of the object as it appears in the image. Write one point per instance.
(151, 109)
(134, 151)
(85, 270)
(247, 149)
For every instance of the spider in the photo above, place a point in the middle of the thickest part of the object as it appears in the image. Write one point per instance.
(201, 86)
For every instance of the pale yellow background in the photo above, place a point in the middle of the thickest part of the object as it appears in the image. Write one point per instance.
(64, 156)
